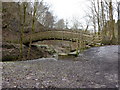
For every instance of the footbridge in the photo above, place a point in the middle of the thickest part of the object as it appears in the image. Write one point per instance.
(67, 35)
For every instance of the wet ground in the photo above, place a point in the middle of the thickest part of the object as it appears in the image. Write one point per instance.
(95, 68)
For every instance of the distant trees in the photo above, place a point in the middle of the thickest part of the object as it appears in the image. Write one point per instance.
(60, 24)
(95, 15)
(43, 14)
(75, 23)
(66, 24)
(48, 20)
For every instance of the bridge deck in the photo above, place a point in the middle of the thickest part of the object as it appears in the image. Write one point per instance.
(56, 35)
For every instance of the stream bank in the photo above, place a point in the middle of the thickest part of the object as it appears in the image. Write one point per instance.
(43, 49)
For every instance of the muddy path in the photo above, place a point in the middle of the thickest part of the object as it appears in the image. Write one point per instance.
(95, 68)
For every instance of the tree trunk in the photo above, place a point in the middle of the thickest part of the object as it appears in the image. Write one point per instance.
(20, 55)
(33, 29)
(112, 23)
(23, 26)
(98, 17)
(119, 23)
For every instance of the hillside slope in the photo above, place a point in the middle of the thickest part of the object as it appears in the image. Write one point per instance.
(11, 21)
(10, 31)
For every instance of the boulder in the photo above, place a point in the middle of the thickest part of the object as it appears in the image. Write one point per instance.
(9, 52)
(46, 49)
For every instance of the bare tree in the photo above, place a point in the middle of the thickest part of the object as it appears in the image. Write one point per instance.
(102, 18)
(119, 23)
(22, 7)
(76, 23)
(112, 34)
(48, 20)
(33, 26)
(66, 24)
(60, 24)
(98, 17)
(43, 8)
(92, 17)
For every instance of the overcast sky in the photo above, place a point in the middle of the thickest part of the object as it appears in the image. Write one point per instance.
(68, 8)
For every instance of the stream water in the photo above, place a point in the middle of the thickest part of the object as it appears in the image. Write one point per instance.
(108, 53)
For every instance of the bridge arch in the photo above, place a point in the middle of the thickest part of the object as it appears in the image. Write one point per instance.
(66, 35)
(57, 35)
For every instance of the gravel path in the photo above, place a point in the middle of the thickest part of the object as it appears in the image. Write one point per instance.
(95, 68)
